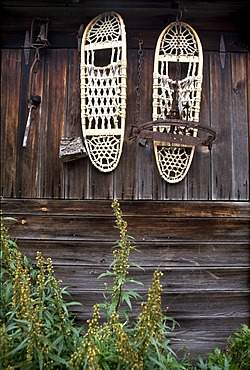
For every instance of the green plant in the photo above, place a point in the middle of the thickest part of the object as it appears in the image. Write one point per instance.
(118, 343)
(235, 357)
(36, 328)
(119, 270)
(216, 360)
(238, 348)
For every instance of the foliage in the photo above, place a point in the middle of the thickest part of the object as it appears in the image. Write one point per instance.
(235, 357)
(118, 343)
(216, 360)
(36, 328)
(239, 348)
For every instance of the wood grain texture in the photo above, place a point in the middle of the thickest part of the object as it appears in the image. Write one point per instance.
(125, 181)
(165, 254)
(221, 174)
(201, 247)
(56, 90)
(194, 279)
(200, 170)
(30, 157)
(240, 167)
(11, 62)
(172, 229)
(140, 208)
(221, 121)
(193, 308)
(75, 173)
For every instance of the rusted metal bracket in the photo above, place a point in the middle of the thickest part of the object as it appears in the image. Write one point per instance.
(177, 132)
(37, 38)
(39, 32)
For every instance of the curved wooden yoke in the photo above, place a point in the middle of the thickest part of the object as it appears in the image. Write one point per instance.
(176, 132)
(177, 86)
(103, 89)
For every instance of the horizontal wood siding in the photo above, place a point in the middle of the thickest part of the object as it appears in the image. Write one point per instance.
(201, 247)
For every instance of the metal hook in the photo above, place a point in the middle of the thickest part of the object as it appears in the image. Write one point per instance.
(33, 69)
(179, 15)
(140, 43)
(180, 12)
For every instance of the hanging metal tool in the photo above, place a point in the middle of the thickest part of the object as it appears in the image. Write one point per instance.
(33, 102)
(38, 40)
(39, 32)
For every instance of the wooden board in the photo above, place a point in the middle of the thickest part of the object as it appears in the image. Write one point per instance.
(10, 87)
(103, 89)
(177, 81)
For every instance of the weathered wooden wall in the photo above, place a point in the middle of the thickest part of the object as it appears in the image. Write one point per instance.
(196, 231)
(37, 172)
(201, 247)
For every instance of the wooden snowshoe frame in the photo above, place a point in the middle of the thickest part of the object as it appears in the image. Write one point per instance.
(177, 76)
(103, 89)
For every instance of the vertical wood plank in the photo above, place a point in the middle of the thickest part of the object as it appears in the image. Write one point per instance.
(10, 100)
(240, 164)
(76, 180)
(22, 120)
(221, 121)
(145, 153)
(30, 156)
(54, 122)
(199, 176)
(177, 191)
(125, 173)
(248, 95)
(100, 184)
(159, 185)
(75, 173)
